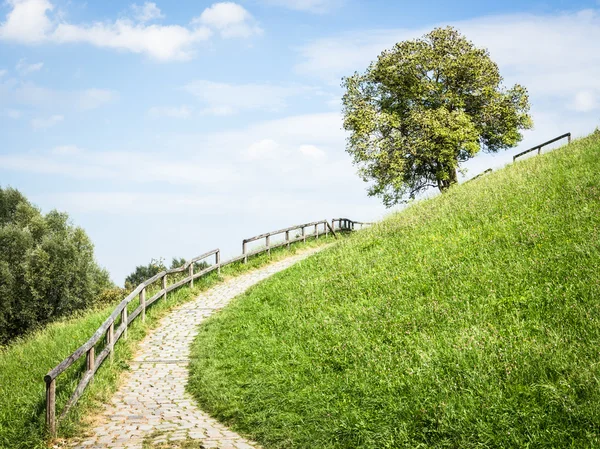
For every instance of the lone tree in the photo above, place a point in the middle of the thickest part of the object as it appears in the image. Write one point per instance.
(424, 107)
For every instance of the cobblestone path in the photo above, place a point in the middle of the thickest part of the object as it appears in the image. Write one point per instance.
(152, 400)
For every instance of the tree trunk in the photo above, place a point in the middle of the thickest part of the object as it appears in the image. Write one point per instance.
(444, 184)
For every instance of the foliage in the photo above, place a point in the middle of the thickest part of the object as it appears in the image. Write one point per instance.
(111, 296)
(144, 272)
(424, 107)
(47, 267)
(24, 363)
(471, 320)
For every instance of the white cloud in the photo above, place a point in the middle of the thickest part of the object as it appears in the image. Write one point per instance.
(138, 203)
(227, 99)
(13, 113)
(312, 152)
(72, 161)
(585, 101)
(163, 43)
(170, 111)
(30, 94)
(315, 6)
(94, 98)
(2, 72)
(42, 123)
(263, 149)
(28, 22)
(147, 12)
(24, 68)
(230, 19)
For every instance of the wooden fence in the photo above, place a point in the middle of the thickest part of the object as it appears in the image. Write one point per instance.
(345, 224)
(539, 147)
(115, 326)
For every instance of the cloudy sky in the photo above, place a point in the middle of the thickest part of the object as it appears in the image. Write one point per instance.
(171, 128)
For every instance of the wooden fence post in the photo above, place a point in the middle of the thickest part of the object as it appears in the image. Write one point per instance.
(316, 231)
(90, 359)
(326, 229)
(191, 274)
(287, 238)
(51, 407)
(218, 261)
(303, 235)
(244, 251)
(569, 139)
(164, 286)
(124, 321)
(143, 303)
(268, 239)
(111, 341)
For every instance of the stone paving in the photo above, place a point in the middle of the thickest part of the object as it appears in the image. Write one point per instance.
(152, 400)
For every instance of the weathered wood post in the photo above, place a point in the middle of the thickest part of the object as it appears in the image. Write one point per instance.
(111, 341)
(303, 235)
(51, 406)
(268, 239)
(143, 303)
(90, 359)
(316, 231)
(287, 238)
(218, 261)
(326, 229)
(539, 150)
(191, 274)
(244, 251)
(124, 321)
(164, 286)
(569, 139)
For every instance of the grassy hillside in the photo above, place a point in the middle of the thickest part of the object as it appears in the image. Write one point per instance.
(470, 320)
(24, 363)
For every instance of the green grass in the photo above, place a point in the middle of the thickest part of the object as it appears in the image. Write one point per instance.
(471, 320)
(25, 362)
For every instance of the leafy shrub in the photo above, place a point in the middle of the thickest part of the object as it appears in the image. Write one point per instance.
(144, 272)
(47, 266)
(111, 295)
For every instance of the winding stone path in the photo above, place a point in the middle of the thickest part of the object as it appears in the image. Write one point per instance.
(152, 400)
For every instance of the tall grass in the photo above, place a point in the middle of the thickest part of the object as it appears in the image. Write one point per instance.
(24, 363)
(467, 321)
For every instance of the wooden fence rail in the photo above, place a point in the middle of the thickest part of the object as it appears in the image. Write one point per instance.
(539, 147)
(115, 326)
(345, 224)
(267, 236)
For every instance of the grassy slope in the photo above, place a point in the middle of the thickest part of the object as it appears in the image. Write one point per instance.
(470, 320)
(24, 364)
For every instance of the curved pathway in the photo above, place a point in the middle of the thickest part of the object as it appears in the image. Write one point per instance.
(152, 401)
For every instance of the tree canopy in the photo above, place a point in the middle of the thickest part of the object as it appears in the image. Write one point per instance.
(424, 107)
(47, 266)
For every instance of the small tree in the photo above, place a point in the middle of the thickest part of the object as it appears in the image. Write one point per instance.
(424, 107)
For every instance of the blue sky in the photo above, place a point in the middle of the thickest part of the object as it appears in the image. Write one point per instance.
(170, 128)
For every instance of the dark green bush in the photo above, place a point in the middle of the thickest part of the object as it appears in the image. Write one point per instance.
(47, 266)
